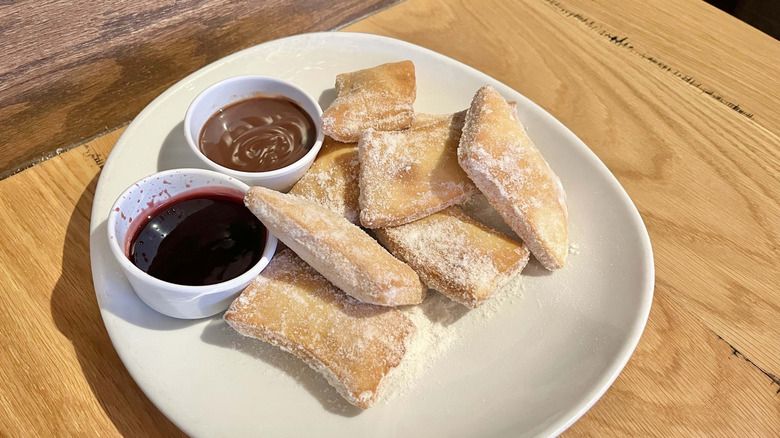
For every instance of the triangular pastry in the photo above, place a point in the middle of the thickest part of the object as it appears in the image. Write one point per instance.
(407, 175)
(332, 181)
(498, 156)
(339, 250)
(456, 255)
(352, 344)
(381, 97)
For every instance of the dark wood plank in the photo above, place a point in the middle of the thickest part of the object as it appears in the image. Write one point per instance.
(72, 70)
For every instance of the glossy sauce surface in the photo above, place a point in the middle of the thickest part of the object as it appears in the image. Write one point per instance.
(258, 134)
(199, 240)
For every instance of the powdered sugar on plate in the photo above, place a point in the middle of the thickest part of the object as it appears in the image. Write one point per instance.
(441, 325)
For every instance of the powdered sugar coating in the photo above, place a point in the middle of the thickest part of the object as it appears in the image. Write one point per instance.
(407, 175)
(498, 156)
(332, 181)
(456, 255)
(381, 97)
(352, 344)
(422, 120)
(339, 250)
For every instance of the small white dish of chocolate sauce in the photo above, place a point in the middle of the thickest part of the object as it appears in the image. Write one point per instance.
(261, 130)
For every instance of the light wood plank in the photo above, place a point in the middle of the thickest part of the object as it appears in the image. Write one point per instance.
(709, 57)
(683, 381)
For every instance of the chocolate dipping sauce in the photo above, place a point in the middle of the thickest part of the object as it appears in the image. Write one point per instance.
(258, 134)
(198, 240)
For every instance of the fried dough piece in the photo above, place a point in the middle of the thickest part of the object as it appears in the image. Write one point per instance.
(407, 175)
(422, 120)
(425, 119)
(332, 181)
(381, 97)
(352, 344)
(336, 248)
(498, 156)
(456, 255)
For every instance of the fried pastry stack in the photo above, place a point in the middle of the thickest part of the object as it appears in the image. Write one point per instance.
(402, 175)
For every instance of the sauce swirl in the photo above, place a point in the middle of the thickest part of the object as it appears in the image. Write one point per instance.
(258, 134)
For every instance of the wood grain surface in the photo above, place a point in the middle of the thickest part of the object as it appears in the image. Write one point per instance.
(70, 70)
(676, 97)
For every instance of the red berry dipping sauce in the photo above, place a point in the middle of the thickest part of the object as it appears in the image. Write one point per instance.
(198, 238)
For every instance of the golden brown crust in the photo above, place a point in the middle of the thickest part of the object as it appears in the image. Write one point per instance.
(336, 248)
(332, 181)
(498, 156)
(381, 97)
(407, 175)
(456, 255)
(352, 344)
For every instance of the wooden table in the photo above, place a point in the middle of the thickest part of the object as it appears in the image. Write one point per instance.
(682, 103)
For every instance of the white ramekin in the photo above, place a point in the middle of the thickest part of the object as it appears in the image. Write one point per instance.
(178, 301)
(238, 88)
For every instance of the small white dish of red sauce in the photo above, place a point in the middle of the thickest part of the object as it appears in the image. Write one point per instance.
(186, 242)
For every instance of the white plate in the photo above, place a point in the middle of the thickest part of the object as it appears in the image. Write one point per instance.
(532, 369)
